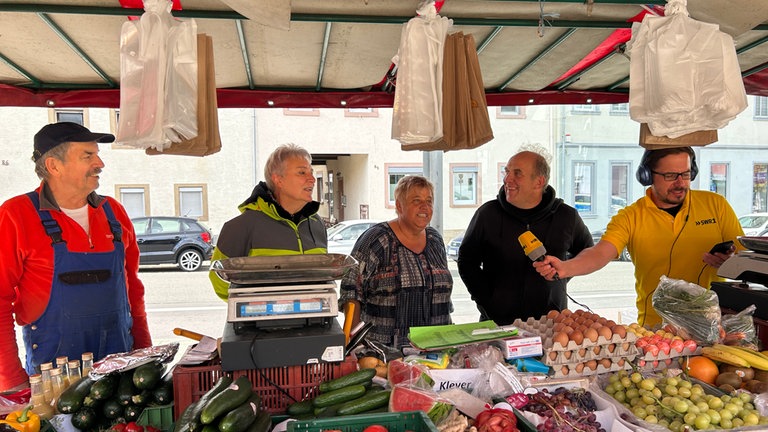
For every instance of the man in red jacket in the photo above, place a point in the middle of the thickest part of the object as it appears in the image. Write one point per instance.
(70, 260)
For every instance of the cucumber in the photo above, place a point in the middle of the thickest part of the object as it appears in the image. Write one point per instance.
(147, 376)
(125, 388)
(263, 422)
(189, 420)
(104, 388)
(85, 418)
(241, 417)
(359, 377)
(339, 396)
(302, 407)
(232, 397)
(210, 428)
(372, 400)
(71, 400)
(163, 393)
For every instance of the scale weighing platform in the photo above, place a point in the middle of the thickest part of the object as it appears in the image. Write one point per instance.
(282, 310)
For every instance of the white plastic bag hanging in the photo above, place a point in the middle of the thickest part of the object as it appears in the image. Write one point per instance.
(417, 114)
(684, 74)
(158, 79)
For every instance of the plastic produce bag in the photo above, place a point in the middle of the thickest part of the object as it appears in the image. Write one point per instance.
(740, 328)
(158, 84)
(417, 109)
(684, 74)
(692, 311)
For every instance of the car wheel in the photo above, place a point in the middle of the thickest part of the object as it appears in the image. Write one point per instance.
(190, 260)
(625, 255)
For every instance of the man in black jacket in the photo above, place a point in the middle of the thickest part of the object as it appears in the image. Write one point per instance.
(492, 264)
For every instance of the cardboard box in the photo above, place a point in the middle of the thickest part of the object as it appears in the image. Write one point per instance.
(652, 142)
(525, 344)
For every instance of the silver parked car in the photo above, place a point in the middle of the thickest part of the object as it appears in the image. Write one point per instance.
(343, 235)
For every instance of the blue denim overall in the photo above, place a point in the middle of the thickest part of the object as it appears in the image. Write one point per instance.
(88, 309)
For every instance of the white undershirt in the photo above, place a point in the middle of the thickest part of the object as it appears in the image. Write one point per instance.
(79, 215)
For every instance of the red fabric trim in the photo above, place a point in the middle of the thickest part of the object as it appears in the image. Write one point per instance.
(757, 84)
(616, 38)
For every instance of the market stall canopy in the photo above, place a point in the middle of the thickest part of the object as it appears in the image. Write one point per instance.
(338, 53)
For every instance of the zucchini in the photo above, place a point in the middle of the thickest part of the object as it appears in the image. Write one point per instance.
(104, 388)
(112, 409)
(302, 407)
(372, 400)
(91, 402)
(241, 417)
(71, 400)
(233, 396)
(143, 398)
(147, 376)
(132, 412)
(359, 377)
(125, 388)
(339, 396)
(263, 422)
(189, 420)
(163, 393)
(85, 418)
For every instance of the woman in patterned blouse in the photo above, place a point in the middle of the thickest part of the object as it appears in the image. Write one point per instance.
(402, 280)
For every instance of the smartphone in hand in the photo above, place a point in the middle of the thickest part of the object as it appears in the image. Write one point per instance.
(723, 247)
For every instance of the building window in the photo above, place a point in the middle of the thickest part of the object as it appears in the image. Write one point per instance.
(585, 109)
(759, 190)
(361, 112)
(192, 201)
(619, 188)
(135, 199)
(394, 174)
(620, 109)
(464, 185)
(584, 187)
(307, 112)
(761, 107)
(718, 181)
(510, 112)
(319, 192)
(74, 116)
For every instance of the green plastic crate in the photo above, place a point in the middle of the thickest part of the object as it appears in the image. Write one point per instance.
(160, 416)
(411, 421)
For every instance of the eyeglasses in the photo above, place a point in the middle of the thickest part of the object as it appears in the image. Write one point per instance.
(672, 176)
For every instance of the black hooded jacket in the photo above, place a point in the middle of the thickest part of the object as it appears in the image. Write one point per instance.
(499, 276)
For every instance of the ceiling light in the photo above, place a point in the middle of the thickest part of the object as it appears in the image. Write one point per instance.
(271, 103)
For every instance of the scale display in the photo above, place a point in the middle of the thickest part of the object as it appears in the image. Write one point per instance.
(282, 307)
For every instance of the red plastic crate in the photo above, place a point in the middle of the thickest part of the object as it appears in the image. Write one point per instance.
(276, 386)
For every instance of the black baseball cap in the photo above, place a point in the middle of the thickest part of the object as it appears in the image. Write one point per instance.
(58, 133)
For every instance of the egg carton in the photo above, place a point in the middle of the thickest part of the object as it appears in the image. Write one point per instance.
(547, 342)
(582, 368)
(626, 349)
(648, 357)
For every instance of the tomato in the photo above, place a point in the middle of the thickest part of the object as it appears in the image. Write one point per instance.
(133, 427)
(118, 427)
(376, 428)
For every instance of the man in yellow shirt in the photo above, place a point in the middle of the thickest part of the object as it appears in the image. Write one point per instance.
(668, 232)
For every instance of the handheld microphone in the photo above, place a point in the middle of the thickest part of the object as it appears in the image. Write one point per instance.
(533, 248)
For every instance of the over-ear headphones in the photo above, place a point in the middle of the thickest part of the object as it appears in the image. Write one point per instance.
(644, 174)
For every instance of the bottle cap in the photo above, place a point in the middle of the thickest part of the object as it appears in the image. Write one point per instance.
(61, 360)
(87, 356)
(55, 371)
(46, 366)
(36, 378)
(74, 364)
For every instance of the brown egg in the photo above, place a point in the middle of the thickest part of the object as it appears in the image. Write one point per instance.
(591, 334)
(596, 349)
(564, 370)
(553, 355)
(566, 312)
(591, 364)
(567, 330)
(625, 346)
(610, 323)
(596, 326)
(619, 330)
(611, 348)
(580, 368)
(601, 320)
(553, 314)
(605, 332)
(567, 354)
(577, 337)
(560, 338)
(569, 322)
(582, 352)
(620, 362)
(606, 363)
(558, 327)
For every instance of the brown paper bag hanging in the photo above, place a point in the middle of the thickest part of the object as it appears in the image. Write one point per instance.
(479, 129)
(208, 139)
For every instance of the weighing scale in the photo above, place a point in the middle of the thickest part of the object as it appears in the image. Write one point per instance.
(282, 310)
